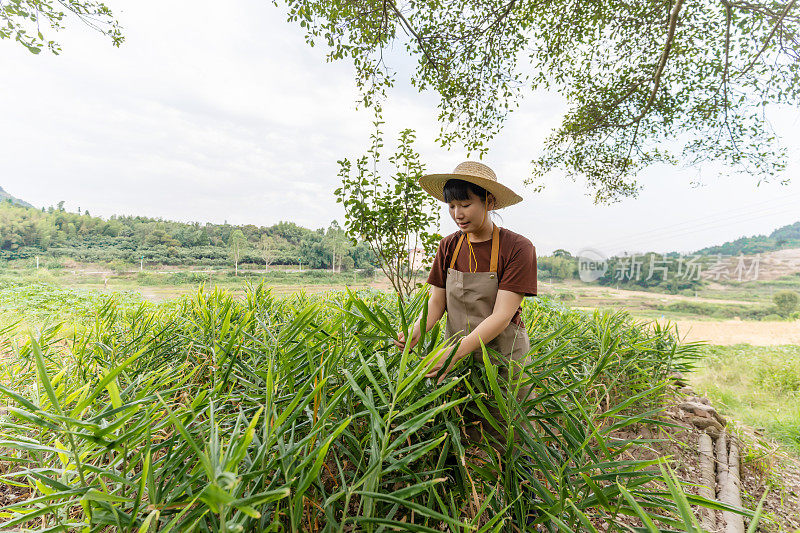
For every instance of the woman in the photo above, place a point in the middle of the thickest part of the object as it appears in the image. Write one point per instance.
(480, 274)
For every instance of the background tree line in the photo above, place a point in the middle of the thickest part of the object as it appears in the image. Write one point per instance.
(28, 232)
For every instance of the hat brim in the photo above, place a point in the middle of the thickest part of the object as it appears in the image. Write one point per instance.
(433, 184)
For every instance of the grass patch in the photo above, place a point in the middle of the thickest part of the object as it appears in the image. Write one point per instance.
(765, 288)
(719, 311)
(759, 385)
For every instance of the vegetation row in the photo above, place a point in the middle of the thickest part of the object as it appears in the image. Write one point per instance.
(300, 414)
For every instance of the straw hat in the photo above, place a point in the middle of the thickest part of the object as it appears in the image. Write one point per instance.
(476, 173)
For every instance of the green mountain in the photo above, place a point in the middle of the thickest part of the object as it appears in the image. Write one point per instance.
(5, 196)
(782, 238)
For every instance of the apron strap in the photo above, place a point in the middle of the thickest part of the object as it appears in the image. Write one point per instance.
(458, 249)
(495, 249)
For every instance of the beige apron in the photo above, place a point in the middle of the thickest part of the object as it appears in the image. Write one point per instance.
(470, 299)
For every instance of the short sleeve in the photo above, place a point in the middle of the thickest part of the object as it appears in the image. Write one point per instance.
(519, 271)
(438, 274)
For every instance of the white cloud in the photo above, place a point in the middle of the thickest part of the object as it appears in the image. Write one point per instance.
(213, 113)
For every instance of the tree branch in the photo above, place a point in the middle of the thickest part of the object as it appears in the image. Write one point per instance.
(413, 32)
(769, 37)
(503, 15)
(726, 70)
(673, 22)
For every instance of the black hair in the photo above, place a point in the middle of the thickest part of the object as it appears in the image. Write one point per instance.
(459, 190)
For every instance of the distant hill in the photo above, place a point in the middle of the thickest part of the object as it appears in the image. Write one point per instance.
(5, 196)
(54, 233)
(780, 239)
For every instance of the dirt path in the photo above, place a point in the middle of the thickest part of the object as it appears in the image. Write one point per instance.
(626, 294)
(739, 332)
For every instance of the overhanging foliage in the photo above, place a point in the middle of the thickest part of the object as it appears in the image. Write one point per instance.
(645, 81)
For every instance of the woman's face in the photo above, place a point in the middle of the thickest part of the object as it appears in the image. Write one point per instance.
(470, 214)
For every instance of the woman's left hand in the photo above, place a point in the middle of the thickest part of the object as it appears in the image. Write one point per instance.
(440, 358)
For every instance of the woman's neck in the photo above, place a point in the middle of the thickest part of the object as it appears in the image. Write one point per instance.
(484, 233)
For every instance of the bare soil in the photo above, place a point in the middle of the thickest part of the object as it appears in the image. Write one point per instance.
(727, 332)
(774, 265)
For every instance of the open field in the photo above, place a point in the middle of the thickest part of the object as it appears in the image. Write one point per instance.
(599, 294)
(718, 314)
(715, 303)
(164, 293)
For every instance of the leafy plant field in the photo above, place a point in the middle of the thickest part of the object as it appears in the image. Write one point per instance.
(299, 414)
(97, 274)
(40, 301)
(759, 385)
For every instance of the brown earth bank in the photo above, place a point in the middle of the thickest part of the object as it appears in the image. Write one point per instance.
(728, 332)
(766, 471)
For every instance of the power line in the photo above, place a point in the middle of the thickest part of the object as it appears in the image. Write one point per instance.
(710, 219)
(713, 226)
(731, 213)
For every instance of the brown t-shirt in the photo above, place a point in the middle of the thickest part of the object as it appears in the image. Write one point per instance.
(516, 264)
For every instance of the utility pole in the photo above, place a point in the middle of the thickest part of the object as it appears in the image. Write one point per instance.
(141, 263)
(37, 262)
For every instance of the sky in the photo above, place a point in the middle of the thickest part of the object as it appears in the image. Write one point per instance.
(213, 114)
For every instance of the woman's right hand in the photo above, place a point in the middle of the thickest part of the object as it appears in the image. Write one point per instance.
(401, 341)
